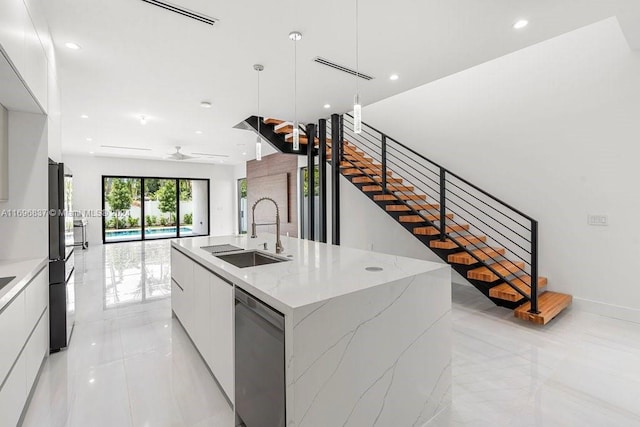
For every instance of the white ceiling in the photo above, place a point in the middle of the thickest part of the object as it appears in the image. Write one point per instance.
(139, 59)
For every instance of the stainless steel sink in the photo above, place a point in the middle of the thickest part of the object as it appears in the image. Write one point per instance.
(4, 281)
(251, 258)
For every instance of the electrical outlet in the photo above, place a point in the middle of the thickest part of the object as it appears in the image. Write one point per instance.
(601, 220)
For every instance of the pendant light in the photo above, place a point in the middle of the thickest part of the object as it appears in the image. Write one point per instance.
(357, 107)
(258, 68)
(295, 36)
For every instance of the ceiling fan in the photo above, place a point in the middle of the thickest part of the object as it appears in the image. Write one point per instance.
(179, 156)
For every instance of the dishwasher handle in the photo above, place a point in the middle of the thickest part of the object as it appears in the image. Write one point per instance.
(259, 308)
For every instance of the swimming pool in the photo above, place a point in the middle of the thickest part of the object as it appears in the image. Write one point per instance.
(151, 232)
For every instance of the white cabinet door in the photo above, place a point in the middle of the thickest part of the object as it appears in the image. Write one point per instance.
(182, 274)
(13, 395)
(177, 299)
(222, 312)
(37, 299)
(36, 349)
(12, 331)
(201, 332)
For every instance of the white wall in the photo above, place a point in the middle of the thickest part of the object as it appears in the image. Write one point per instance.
(553, 130)
(26, 237)
(363, 225)
(87, 186)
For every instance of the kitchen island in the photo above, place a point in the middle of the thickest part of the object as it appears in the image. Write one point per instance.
(367, 336)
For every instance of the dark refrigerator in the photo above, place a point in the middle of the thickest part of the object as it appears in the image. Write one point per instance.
(61, 267)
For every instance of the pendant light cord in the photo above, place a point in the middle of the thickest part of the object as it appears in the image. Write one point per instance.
(357, 55)
(259, 105)
(295, 82)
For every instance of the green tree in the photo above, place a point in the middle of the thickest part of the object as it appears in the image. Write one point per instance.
(167, 197)
(185, 190)
(243, 188)
(119, 198)
(152, 185)
(316, 175)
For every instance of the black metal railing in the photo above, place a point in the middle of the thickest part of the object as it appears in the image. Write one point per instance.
(474, 210)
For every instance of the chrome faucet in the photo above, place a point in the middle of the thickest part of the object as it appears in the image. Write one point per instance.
(279, 247)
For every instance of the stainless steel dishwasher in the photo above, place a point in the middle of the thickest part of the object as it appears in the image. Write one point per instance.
(259, 363)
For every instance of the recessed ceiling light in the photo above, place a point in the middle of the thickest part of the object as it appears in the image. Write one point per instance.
(520, 24)
(92, 152)
(394, 77)
(72, 45)
(143, 120)
(84, 116)
(244, 154)
(199, 132)
(327, 106)
(89, 139)
(205, 104)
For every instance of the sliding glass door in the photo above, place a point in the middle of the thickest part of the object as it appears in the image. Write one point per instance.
(147, 208)
(160, 208)
(122, 202)
(194, 207)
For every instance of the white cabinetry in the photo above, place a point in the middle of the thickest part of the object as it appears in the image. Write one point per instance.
(21, 42)
(24, 327)
(12, 333)
(204, 303)
(4, 154)
(201, 332)
(221, 319)
(182, 288)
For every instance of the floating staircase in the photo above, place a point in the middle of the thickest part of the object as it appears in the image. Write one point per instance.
(491, 244)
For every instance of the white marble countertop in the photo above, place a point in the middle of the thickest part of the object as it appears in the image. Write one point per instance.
(317, 271)
(24, 270)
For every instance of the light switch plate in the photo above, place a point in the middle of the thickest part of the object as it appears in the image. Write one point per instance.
(601, 220)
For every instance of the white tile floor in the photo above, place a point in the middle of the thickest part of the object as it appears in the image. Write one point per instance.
(131, 364)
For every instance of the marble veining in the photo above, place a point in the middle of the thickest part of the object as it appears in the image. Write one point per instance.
(367, 367)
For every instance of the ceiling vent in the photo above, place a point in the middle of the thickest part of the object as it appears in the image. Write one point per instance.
(210, 155)
(184, 12)
(342, 68)
(125, 148)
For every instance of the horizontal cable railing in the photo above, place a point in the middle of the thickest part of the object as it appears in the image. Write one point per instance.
(464, 208)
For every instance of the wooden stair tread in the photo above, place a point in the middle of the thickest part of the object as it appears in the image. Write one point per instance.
(393, 197)
(289, 138)
(432, 231)
(368, 164)
(417, 207)
(467, 240)
(366, 179)
(390, 187)
(356, 171)
(550, 305)
(418, 218)
(504, 267)
(482, 253)
(505, 292)
(284, 127)
(272, 121)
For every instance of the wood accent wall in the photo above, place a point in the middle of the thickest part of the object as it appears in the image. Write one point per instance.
(257, 186)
